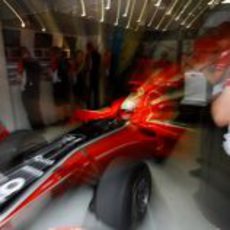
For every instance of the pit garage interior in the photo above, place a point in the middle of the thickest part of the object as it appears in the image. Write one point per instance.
(131, 39)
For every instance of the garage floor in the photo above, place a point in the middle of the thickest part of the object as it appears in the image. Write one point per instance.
(173, 205)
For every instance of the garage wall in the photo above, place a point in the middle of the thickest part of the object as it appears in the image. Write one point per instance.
(6, 110)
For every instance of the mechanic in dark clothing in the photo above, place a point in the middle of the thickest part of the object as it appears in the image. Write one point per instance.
(93, 65)
(59, 68)
(79, 78)
(30, 73)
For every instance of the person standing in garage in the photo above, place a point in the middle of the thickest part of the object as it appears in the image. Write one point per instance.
(59, 72)
(221, 91)
(216, 69)
(221, 76)
(79, 78)
(93, 67)
(30, 75)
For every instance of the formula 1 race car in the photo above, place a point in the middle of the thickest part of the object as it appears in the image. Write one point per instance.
(107, 149)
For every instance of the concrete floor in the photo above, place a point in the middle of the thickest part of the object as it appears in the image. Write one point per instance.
(173, 205)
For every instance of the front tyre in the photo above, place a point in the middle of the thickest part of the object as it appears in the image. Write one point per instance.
(140, 194)
(123, 195)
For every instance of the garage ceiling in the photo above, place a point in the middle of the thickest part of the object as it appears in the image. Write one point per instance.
(72, 15)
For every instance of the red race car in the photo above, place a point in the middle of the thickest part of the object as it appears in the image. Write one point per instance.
(107, 149)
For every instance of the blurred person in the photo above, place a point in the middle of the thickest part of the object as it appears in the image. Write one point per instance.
(93, 66)
(220, 77)
(59, 71)
(213, 60)
(30, 76)
(107, 57)
(219, 74)
(72, 71)
(79, 77)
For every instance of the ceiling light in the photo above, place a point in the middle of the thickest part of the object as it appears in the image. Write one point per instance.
(142, 11)
(183, 10)
(152, 18)
(43, 29)
(175, 15)
(169, 11)
(108, 5)
(83, 14)
(158, 3)
(226, 2)
(195, 18)
(102, 11)
(168, 24)
(191, 13)
(161, 22)
(127, 8)
(131, 14)
(210, 3)
(118, 12)
(23, 25)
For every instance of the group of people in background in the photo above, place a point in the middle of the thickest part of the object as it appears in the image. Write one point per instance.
(76, 80)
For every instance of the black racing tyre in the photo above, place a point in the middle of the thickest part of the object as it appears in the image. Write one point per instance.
(123, 195)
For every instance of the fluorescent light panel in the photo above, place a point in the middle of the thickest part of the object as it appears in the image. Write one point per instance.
(118, 12)
(102, 11)
(191, 13)
(127, 8)
(108, 5)
(158, 3)
(131, 14)
(183, 10)
(210, 3)
(83, 14)
(169, 11)
(23, 24)
(142, 11)
(172, 19)
(152, 18)
(196, 18)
